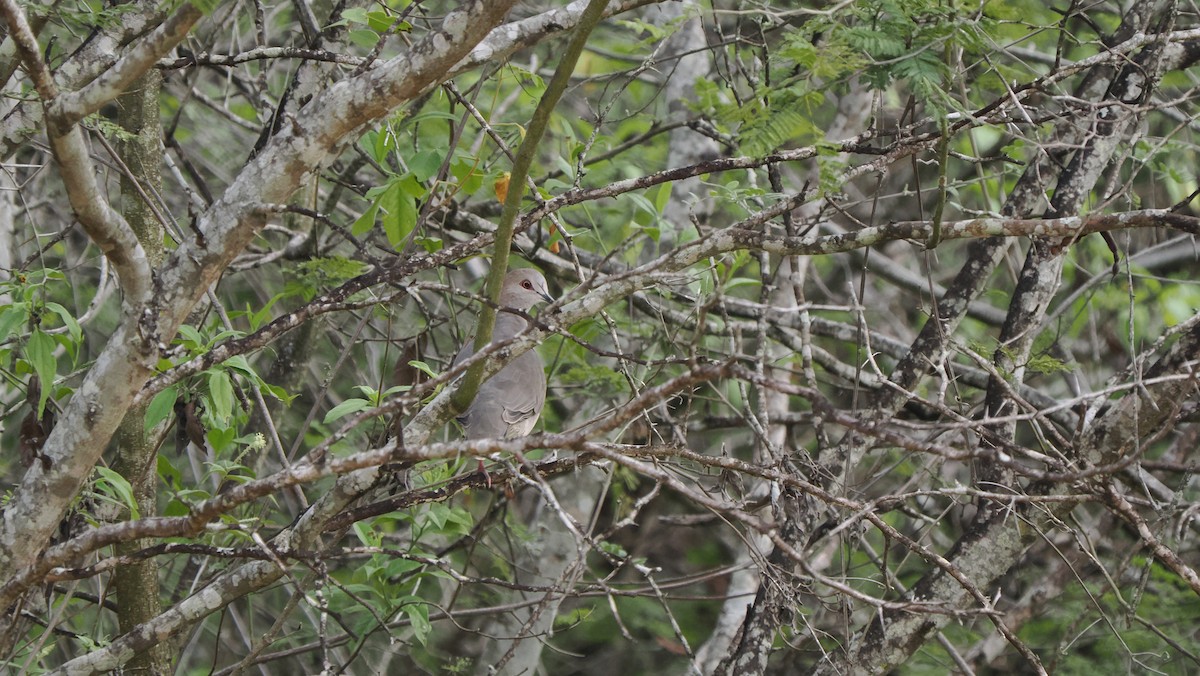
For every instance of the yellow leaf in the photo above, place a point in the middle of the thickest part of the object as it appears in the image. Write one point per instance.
(501, 187)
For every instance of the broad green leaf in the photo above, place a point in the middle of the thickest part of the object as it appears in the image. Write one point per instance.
(168, 472)
(220, 395)
(366, 535)
(368, 392)
(262, 316)
(385, 142)
(239, 363)
(276, 391)
(434, 115)
(565, 167)
(176, 508)
(418, 614)
(190, 336)
(470, 178)
(400, 214)
(120, 488)
(11, 317)
(355, 15)
(425, 164)
(654, 33)
(437, 514)
(643, 204)
(160, 407)
(346, 408)
(363, 38)
(430, 244)
(394, 389)
(741, 281)
(67, 319)
(220, 438)
(365, 222)
(411, 186)
(370, 143)
(380, 21)
(227, 333)
(39, 350)
(662, 198)
(423, 368)
(397, 567)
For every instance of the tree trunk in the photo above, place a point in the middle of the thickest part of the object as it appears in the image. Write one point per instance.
(137, 583)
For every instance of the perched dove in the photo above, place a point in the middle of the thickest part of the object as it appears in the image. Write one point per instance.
(508, 404)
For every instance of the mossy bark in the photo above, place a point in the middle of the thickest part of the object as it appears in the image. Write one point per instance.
(137, 584)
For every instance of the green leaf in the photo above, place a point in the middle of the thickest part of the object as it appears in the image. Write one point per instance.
(418, 615)
(239, 363)
(365, 535)
(643, 204)
(433, 115)
(596, 379)
(220, 438)
(176, 507)
(365, 222)
(169, 472)
(380, 21)
(470, 178)
(120, 489)
(346, 408)
(430, 244)
(459, 522)
(741, 281)
(612, 549)
(653, 32)
(277, 392)
(11, 317)
(394, 389)
(662, 198)
(574, 617)
(425, 164)
(67, 319)
(227, 333)
(331, 269)
(160, 407)
(190, 337)
(423, 368)
(411, 186)
(397, 567)
(400, 215)
(369, 393)
(880, 44)
(39, 351)
(376, 144)
(262, 316)
(363, 38)
(565, 167)
(220, 395)
(355, 15)
(449, 520)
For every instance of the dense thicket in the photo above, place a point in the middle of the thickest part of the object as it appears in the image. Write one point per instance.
(874, 345)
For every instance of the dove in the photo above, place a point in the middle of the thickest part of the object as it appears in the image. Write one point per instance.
(509, 403)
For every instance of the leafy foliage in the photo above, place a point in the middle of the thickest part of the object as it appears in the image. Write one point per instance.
(752, 388)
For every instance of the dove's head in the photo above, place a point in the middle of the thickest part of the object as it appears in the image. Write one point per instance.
(523, 288)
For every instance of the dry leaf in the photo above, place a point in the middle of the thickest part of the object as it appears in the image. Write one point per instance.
(501, 187)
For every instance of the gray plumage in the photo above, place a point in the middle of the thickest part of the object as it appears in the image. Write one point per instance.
(509, 403)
